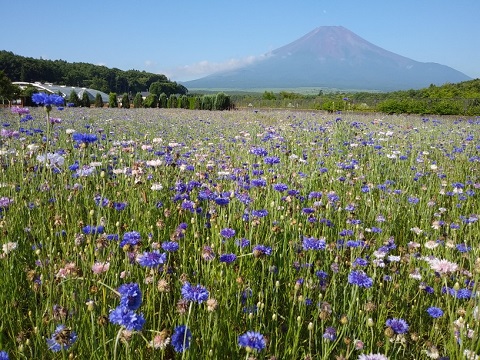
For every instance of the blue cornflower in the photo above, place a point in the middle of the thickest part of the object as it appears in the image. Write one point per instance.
(47, 99)
(196, 293)
(260, 250)
(130, 238)
(84, 138)
(252, 340)
(123, 316)
(88, 229)
(359, 278)
(413, 200)
(330, 333)
(152, 259)
(62, 338)
(360, 262)
(4, 355)
(315, 195)
(259, 213)
(170, 246)
(242, 242)
(271, 160)
(280, 187)
(259, 151)
(258, 182)
(313, 244)
(463, 248)
(222, 201)
(130, 296)
(228, 258)
(181, 338)
(399, 326)
(434, 312)
(227, 233)
(119, 206)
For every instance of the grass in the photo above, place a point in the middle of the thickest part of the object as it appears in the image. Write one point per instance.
(340, 222)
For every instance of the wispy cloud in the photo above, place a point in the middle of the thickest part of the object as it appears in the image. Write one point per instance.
(204, 68)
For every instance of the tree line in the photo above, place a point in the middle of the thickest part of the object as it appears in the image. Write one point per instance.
(107, 80)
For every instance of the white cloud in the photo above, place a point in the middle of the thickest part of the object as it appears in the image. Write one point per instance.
(204, 68)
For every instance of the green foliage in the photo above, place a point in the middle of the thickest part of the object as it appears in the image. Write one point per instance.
(207, 102)
(169, 88)
(74, 99)
(184, 102)
(163, 100)
(269, 95)
(138, 101)
(98, 101)
(8, 91)
(19, 68)
(222, 101)
(125, 101)
(85, 100)
(151, 101)
(197, 102)
(112, 100)
(172, 102)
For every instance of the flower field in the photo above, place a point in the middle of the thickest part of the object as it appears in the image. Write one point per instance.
(180, 234)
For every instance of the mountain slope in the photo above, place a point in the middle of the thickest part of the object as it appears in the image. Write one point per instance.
(332, 57)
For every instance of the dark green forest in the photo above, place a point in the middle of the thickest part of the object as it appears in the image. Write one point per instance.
(60, 72)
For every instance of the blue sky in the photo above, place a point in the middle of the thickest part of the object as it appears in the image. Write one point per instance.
(190, 39)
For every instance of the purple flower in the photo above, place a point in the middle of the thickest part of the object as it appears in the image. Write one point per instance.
(170, 246)
(222, 201)
(260, 250)
(280, 187)
(88, 229)
(359, 278)
(330, 333)
(372, 357)
(242, 242)
(84, 138)
(258, 182)
(4, 355)
(399, 326)
(62, 338)
(259, 151)
(48, 100)
(181, 338)
(413, 200)
(196, 293)
(227, 233)
(228, 258)
(252, 340)
(131, 238)
(434, 312)
(259, 213)
(152, 259)
(130, 296)
(271, 160)
(128, 318)
(313, 243)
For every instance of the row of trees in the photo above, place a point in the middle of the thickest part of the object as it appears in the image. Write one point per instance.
(19, 68)
(220, 101)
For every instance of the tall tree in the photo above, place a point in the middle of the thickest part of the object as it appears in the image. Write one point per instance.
(98, 100)
(162, 100)
(8, 91)
(138, 101)
(125, 101)
(85, 99)
(112, 100)
(74, 99)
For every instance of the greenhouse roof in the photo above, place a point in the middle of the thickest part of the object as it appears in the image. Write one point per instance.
(65, 90)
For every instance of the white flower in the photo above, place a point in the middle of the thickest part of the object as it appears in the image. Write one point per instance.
(431, 244)
(51, 159)
(154, 163)
(442, 266)
(9, 247)
(156, 187)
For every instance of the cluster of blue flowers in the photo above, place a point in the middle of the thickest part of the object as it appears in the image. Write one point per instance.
(124, 314)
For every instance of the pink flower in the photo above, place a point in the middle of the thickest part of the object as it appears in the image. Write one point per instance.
(100, 267)
(442, 266)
